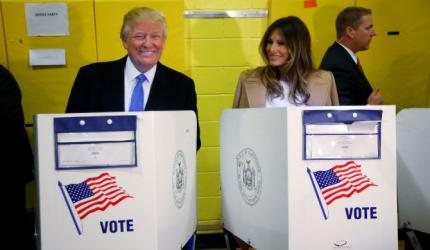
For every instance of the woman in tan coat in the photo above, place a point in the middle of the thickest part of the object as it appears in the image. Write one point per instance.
(289, 77)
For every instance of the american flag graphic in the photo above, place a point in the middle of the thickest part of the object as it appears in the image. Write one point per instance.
(342, 181)
(95, 194)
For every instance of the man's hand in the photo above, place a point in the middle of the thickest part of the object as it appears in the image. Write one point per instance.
(375, 98)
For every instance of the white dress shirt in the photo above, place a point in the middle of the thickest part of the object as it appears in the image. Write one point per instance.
(130, 74)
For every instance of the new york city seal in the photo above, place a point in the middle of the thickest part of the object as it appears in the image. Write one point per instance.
(249, 176)
(179, 178)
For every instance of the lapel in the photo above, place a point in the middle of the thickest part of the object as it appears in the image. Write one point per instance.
(158, 95)
(319, 88)
(256, 93)
(113, 86)
(315, 90)
(351, 64)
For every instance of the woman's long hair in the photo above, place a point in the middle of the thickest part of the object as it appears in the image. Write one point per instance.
(298, 65)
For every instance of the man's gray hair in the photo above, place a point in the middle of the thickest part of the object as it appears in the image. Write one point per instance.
(142, 14)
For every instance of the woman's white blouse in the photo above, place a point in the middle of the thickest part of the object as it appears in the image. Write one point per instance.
(281, 101)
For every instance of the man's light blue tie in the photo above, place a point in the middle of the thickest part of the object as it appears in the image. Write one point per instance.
(136, 103)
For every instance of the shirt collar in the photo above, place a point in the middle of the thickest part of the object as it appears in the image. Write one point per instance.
(132, 72)
(352, 54)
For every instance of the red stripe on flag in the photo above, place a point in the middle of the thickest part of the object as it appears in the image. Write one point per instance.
(96, 207)
(349, 194)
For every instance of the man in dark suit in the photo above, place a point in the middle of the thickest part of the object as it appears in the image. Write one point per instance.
(354, 29)
(113, 86)
(16, 164)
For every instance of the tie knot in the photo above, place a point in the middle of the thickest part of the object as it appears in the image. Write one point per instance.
(140, 78)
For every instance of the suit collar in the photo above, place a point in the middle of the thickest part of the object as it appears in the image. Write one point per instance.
(347, 57)
(352, 64)
(115, 84)
(340, 49)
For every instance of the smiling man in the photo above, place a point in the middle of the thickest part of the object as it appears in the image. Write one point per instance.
(354, 29)
(138, 81)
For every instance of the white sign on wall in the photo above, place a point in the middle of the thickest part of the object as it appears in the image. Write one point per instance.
(47, 19)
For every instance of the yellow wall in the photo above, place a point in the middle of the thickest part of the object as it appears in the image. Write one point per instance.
(399, 64)
(217, 50)
(45, 89)
(3, 58)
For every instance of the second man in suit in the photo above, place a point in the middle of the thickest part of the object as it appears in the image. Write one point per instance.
(354, 30)
(110, 86)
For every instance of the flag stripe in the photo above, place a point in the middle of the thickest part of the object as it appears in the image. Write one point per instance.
(344, 165)
(347, 188)
(103, 186)
(348, 194)
(91, 179)
(98, 199)
(84, 214)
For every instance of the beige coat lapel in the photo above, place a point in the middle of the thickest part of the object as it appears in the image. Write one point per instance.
(322, 89)
(256, 93)
(250, 92)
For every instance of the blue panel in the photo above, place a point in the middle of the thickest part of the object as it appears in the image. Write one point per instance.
(94, 124)
(340, 116)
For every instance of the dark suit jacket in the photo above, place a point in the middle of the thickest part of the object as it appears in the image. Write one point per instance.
(351, 83)
(99, 87)
(16, 162)
(17, 155)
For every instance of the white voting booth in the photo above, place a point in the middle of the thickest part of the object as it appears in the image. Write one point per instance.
(310, 177)
(116, 180)
(413, 140)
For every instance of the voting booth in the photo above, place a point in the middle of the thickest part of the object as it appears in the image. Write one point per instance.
(413, 140)
(116, 180)
(310, 177)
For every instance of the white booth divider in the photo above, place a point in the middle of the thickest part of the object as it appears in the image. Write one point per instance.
(413, 140)
(116, 180)
(310, 177)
